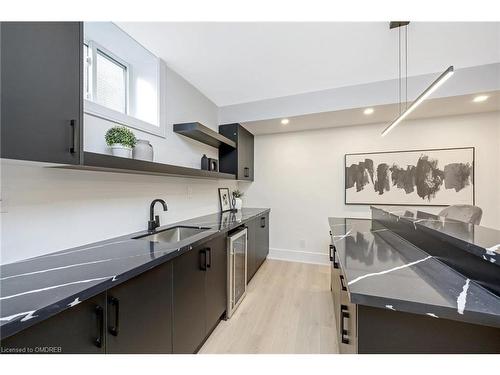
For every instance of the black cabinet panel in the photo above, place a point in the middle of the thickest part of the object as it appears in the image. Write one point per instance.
(80, 329)
(189, 300)
(139, 318)
(200, 278)
(216, 282)
(239, 161)
(41, 91)
(262, 240)
(251, 249)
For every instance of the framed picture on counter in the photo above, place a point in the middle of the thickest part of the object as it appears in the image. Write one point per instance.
(435, 177)
(224, 199)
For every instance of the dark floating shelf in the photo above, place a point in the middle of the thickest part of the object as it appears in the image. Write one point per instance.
(201, 133)
(108, 163)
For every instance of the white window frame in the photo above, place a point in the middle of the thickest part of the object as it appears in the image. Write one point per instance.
(97, 110)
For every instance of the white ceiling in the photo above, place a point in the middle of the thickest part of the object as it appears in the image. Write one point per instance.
(242, 62)
(448, 106)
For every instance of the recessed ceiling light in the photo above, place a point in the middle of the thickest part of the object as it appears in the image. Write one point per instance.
(368, 111)
(480, 98)
(285, 121)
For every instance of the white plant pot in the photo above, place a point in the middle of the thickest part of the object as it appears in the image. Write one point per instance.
(121, 150)
(238, 203)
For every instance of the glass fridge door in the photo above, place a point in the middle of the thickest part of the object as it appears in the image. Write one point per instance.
(239, 252)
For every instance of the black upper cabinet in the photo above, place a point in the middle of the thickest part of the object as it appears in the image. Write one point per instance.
(239, 161)
(200, 277)
(139, 314)
(78, 330)
(41, 91)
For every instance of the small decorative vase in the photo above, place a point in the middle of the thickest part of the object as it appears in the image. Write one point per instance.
(121, 150)
(238, 203)
(143, 150)
(204, 163)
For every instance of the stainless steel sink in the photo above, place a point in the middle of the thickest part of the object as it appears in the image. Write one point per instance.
(172, 235)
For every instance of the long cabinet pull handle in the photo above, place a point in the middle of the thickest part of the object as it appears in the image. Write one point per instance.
(342, 282)
(334, 256)
(99, 311)
(203, 260)
(247, 171)
(209, 258)
(74, 139)
(344, 333)
(115, 302)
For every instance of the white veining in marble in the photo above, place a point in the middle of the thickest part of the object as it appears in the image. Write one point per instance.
(55, 287)
(75, 302)
(433, 315)
(389, 270)
(493, 250)
(341, 237)
(462, 298)
(10, 317)
(56, 268)
(390, 307)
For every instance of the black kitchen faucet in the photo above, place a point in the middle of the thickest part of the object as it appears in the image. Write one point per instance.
(154, 223)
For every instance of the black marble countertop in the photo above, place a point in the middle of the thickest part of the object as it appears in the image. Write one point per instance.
(384, 270)
(34, 289)
(478, 240)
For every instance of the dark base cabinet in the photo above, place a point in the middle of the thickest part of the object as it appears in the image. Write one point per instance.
(372, 330)
(81, 329)
(258, 244)
(199, 299)
(262, 240)
(394, 332)
(139, 314)
(251, 249)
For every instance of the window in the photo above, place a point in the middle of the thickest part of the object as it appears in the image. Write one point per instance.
(109, 78)
(121, 78)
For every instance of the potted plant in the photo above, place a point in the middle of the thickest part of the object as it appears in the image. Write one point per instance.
(121, 140)
(238, 203)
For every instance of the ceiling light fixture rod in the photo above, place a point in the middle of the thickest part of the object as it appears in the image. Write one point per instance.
(428, 91)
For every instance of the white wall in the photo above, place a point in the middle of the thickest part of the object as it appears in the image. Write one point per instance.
(301, 175)
(45, 210)
(182, 103)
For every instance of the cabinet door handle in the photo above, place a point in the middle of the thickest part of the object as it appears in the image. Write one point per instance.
(333, 252)
(99, 311)
(203, 260)
(115, 302)
(208, 258)
(74, 139)
(263, 222)
(342, 282)
(246, 171)
(344, 334)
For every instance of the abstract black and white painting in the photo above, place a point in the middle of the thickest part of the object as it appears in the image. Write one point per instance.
(422, 177)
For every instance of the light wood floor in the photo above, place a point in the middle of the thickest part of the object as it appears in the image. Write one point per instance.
(288, 309)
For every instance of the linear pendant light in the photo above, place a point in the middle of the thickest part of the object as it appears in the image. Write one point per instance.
(433, 87)
(428, 91)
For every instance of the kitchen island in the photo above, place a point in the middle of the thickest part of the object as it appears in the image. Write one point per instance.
(392, 296)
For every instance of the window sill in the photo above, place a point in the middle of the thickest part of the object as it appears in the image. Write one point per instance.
(105, 113)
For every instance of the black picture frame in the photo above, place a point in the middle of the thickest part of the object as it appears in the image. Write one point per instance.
(404, 151)
(224, 200)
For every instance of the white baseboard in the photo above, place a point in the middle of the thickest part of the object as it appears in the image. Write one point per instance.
(298, 256)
